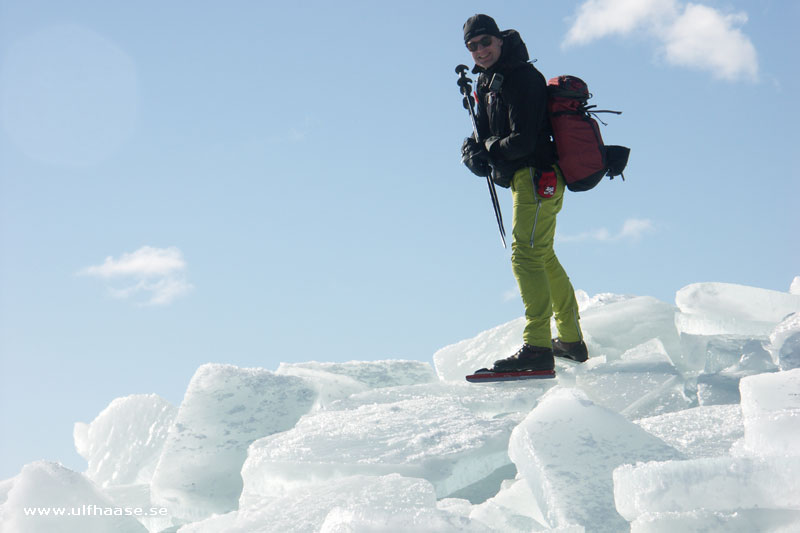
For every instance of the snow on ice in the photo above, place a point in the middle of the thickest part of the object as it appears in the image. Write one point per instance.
(685, 418)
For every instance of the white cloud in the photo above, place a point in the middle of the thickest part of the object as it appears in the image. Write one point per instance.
(158, 274)
(704, 38)
(144, 262)
(688, 35)
(633, 229)
(600, 18)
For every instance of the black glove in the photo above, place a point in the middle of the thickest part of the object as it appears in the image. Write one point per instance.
(475, 157)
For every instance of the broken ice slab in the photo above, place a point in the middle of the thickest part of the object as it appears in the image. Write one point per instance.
(123, 443)
(354, 503)
(440, 441)
(771, 409)
(643, 382)
(225, 409)
(739, 521)
(514, 399)
(512, 510)
(728, 359)
(336, 381)
(566, 450)
(710, 484)
(706, 431)
(735, 305)
(372, 374)
(784, 343)
(717, 389)
(709, 312)
(615, 328)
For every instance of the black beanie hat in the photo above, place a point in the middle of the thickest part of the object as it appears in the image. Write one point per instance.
(480, 25)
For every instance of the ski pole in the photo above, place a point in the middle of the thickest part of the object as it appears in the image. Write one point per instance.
(464, 84)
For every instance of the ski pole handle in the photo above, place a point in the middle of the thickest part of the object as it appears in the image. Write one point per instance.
(465, 85)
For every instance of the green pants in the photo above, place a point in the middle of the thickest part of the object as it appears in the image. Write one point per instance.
(543, 283)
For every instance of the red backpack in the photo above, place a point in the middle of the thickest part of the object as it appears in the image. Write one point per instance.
(582, 156)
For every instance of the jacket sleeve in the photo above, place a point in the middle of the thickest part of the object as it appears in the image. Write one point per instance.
(526, 101)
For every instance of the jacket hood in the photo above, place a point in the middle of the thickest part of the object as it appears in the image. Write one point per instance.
(514, 53)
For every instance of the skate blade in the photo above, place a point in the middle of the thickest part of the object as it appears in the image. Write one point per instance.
(487, 376)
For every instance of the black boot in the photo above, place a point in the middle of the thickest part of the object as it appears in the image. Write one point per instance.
(576, 351)
(527, 358)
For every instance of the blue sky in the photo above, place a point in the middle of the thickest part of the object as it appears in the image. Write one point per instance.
(257, 182)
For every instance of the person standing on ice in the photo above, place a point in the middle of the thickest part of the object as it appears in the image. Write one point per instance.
(519, 153)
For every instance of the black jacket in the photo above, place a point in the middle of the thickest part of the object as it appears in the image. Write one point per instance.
(516, 112)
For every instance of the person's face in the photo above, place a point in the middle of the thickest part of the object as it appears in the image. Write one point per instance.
(485, 50)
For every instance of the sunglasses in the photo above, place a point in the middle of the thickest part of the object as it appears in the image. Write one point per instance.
(473, 46)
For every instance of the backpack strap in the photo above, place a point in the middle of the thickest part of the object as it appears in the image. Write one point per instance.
(592, 111)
